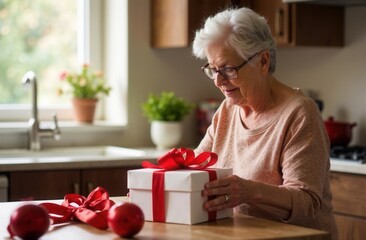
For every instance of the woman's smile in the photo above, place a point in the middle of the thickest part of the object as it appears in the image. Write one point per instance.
(229, 92)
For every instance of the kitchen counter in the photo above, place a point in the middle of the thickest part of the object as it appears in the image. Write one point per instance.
(54, 162)
(150, 154)
(345, 166)
(238, 227)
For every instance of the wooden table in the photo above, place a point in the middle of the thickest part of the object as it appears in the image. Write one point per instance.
(238, 227)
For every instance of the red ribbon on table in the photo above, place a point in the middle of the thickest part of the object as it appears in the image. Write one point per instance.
(92, 210)
(176, 159)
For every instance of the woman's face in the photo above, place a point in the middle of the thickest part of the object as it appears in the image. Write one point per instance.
(246, 86)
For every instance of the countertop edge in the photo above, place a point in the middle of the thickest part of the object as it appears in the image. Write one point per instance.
(345, 166)
(150, 155)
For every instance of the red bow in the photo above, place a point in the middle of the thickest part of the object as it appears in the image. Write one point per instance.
(183, 159)
(92, 210)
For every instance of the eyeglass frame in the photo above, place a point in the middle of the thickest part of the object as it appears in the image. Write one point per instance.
(219, 70)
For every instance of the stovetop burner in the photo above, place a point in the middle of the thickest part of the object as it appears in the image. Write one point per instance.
(352, 153)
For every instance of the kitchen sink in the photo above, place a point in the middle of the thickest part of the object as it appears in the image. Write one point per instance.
(90, 153)
(73, 151)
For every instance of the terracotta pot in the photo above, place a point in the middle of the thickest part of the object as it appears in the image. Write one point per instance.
(84, 109)
(340, 133)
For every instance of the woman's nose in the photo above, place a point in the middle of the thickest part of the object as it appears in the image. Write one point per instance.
(220, 80)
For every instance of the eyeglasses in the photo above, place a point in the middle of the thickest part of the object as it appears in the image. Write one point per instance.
(226, 72)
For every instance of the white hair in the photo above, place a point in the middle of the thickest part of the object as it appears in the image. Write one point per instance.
(240, 29)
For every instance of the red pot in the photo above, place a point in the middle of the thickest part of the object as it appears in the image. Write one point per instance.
(340, 133)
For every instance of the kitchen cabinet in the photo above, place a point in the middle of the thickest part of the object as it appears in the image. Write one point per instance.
(349, 198)
(54, 184)
(301, 24)
(113, 180)
(30, 185)
(174, 23)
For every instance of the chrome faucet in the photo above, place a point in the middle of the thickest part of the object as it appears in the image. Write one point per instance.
(35, 132)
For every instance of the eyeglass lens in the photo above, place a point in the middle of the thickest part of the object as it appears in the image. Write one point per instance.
(227, 73)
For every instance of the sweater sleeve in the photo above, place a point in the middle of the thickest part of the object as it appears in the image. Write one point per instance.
(305, 164)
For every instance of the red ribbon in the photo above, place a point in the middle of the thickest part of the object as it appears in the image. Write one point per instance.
(92, 210)
(183, 159)
(173, 160)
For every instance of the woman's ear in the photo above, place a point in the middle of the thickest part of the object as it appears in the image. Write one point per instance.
(264, 61)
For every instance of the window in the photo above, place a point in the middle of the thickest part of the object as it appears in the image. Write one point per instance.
(46, 37)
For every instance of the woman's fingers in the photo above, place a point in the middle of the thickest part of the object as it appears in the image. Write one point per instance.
(218, 203)
(225, 191)
(216, 191)
(218, 183)
(218, 187)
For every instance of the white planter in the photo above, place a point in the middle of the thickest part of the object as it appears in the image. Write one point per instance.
(166, 135)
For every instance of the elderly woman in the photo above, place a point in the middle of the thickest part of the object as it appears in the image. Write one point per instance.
(272, 135)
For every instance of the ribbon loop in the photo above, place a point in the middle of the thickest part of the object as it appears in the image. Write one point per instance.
(183, 158)
(92, 210)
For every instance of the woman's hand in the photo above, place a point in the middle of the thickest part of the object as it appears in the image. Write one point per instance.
(232, 191)
(229, 192)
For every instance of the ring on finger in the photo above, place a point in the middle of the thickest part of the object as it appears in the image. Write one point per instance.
(226, 198)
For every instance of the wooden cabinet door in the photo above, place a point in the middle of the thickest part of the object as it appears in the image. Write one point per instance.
(277, 14)
(42, 185)
(317, 25)
(349, 203)
(349, 193)
(114, 180)
(169, 23)
(350, 227)
(299, 24)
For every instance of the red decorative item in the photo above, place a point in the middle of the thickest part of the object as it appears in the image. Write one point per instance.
(29, 221)
(92, 210)
(340, 133)
(204, 114)
(177, 159)
(183, 158)
(126, 219)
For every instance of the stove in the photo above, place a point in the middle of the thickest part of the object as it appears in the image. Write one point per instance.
(355, 154)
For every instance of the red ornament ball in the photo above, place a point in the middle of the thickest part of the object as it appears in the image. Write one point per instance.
(126, 219)
(29, 222)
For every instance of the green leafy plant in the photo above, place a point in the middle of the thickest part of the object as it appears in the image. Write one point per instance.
(166, 107)
(85, 84)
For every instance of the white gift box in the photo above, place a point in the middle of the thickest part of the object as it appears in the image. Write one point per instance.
(183, 194)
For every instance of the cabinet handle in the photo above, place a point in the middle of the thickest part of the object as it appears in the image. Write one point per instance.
(90, 187)
(76, 187)
(279, 19)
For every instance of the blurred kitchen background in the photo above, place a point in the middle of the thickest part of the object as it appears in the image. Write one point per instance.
(337, 75)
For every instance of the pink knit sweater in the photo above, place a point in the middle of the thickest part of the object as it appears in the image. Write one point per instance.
(291, 151)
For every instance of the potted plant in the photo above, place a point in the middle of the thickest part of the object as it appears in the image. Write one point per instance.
(86, 88)
(166, 112)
